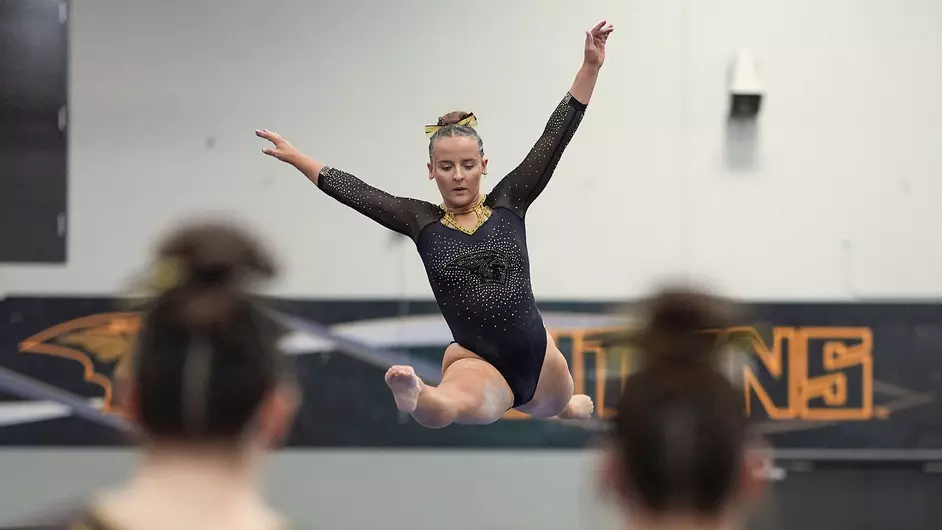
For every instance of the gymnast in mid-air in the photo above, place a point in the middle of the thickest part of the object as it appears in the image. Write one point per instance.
(474, 249)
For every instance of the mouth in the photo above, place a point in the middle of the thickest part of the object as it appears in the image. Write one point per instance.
(461, 189)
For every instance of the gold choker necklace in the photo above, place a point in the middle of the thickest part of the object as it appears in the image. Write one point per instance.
(481, 211)
(467, 209)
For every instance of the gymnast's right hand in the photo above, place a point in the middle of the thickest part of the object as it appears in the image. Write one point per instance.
(284, 151)
(280, 149)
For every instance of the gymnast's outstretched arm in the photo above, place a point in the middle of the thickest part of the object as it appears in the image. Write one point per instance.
(400, 214)
(523, 185)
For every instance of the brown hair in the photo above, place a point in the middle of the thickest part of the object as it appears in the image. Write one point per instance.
(207, 356)
(680, 427)
(453, 117)
(449, 128)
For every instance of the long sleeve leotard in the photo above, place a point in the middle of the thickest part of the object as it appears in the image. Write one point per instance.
(481, 281)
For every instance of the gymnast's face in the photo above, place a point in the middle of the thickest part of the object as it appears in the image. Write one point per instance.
(457, 166)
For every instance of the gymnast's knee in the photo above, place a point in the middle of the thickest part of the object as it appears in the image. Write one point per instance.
(454, 405)
(554, 406)
(551, 400)
(436, 420)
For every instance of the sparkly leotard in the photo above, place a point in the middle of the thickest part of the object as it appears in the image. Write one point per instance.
(481, 281)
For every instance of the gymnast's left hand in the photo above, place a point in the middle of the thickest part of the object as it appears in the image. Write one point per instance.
(595, 40)
(280, 148)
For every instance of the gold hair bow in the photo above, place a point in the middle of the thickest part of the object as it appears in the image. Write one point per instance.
(159, 278)
(166, 275)
(470, 121)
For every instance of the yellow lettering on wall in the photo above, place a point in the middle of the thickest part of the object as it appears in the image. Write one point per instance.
(773, 360)
(838, 356)
(844, 347)
(787, 359)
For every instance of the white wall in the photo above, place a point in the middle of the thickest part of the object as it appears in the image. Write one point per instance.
(843, 201)
(836, 205)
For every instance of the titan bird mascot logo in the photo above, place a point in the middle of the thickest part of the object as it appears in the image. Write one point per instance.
(103, 343)
(99, 343)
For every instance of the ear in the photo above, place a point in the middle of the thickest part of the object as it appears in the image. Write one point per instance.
(126, 400)
(431, 173)
(484, 164)
(277, 414)
(127, 404)
(757, 462)
(609, 473)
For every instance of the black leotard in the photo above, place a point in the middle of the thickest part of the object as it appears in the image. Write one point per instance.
(481, 281)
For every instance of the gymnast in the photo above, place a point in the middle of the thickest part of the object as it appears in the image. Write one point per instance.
(682, 452)
(207, 389)
(474, 250)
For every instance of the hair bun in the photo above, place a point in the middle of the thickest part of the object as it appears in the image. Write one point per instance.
(680, 310)
(683, 327)
(208, 264)
(453, 118)
(216, 255)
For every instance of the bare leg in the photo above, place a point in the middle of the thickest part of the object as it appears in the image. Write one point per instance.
(554, 397)
(472, 392)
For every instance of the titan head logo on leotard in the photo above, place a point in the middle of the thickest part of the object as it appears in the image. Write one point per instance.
(488, 266)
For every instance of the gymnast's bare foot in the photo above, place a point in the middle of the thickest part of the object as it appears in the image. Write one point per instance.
(580, 407)
(405, 386)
